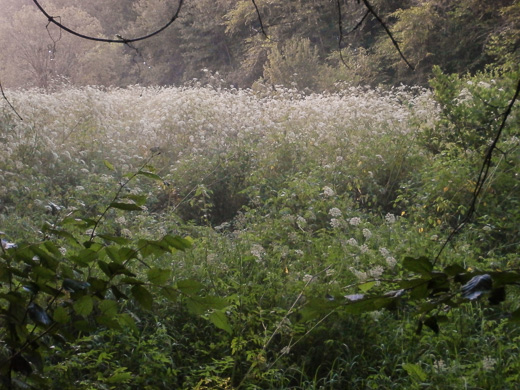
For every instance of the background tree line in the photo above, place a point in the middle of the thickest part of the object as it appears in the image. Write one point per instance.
(225, 37)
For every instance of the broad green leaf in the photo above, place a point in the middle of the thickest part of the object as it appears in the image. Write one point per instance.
(515, 316)
(366, 286)
(219, 319)
(369, 304)
(139, 200)
(431, 322)
(415, 371)
(118, 293)
(125, 206)
(84, 305)
(109, 165)
(169, 293)
(189, 286)
(61, 315)
(421, 265)
(150, 175)
(126, 321)
(117, 239)
(108, 308)
(177, 242)
(142, 296)
(158, 275)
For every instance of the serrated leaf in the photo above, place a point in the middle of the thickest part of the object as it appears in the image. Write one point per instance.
(150, 175)
(117, 239)
(142, 296)
(366, 286)
(139, 200)
(84, 305)
(421, 265)
(118, 293)
(169, 293)
(219, 319)
(158, 275)
(515, 316)
(126, 321)
(38, 314)
(126, 206)
(415, 371)
(109, 165)
(431, 322)
(108, 308)
(189, 286)
(61, 315)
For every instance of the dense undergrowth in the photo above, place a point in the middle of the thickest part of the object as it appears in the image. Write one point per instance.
(285, 204)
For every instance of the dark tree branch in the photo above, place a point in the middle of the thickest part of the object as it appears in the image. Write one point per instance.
(9, 103)
(483, 174)
(52, 19)
(388, 32)
(260, 19)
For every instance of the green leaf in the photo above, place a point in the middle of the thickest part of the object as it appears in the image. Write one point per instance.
(150, 175)
(109, 165)
(158, 275)
(117, 239)
(126, 321)
(125, 206)
(369, 304)
(142, 296)
(219, 319)
(139, 200)
(431, 322)
(189, 286)
(61, 315)
(415, 371)
(169, 293)
(421, 265)
(366, 286)
(515, 316)
(108, 308)
(84, 305)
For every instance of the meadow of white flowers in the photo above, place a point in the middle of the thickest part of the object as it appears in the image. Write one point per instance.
(82, 126)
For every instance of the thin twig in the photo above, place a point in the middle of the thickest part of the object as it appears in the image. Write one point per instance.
(260, 19)
(483, 174)
(120, 39)
(9, 103)
(388, 32)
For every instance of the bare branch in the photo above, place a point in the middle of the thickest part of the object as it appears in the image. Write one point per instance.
(483, 174)
(9, 103)
(388, 32)
(260, 19)
(120, 39)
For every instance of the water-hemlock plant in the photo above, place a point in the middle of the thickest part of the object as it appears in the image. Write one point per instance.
(280, 240)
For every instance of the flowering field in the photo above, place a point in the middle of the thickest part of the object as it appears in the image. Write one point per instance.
(281, 198)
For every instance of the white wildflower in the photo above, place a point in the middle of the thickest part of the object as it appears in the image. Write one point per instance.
(376, 272)
(335, 212)
(328, 192)
(352, 241)
(335, 223)
(384, 252)
(488, 363)
(390, 218)
(367, 233)
(391, 261)
(355, 221)
(363, 248)
(258, 251)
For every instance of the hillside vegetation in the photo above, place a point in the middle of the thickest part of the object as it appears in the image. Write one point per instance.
(206, 237)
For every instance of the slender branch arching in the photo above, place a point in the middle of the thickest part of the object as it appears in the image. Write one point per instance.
(120, 39)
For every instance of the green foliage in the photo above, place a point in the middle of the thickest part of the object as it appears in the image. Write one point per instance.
(284, 240)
